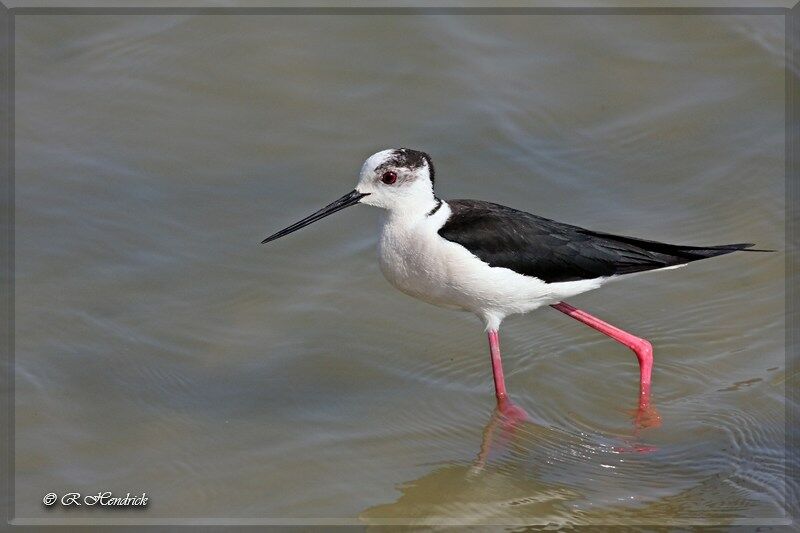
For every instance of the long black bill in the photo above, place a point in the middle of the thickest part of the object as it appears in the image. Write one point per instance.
(351, 198)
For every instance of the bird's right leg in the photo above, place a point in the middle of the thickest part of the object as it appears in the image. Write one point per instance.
(497, 367)
(512, 412)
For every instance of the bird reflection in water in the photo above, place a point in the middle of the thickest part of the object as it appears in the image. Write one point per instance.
(525, 469)
(508, 419)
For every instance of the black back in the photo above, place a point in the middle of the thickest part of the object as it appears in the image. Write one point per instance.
(557, 252)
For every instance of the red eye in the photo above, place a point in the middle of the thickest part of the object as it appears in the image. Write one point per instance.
(389, 177)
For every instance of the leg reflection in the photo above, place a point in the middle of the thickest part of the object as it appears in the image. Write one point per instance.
(508, 419)
(505, 419)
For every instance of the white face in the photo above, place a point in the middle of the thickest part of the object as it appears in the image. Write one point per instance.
(396, 179)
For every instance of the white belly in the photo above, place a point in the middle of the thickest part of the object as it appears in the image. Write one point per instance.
(422, 264)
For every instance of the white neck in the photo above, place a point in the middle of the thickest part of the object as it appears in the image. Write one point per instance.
(411, 210)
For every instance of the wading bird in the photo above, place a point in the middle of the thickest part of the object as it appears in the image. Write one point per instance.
(495, 261)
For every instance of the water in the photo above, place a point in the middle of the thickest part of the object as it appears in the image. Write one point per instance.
(160, 348)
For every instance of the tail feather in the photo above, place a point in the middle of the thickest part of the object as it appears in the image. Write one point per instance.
(650, 255)
(703, 252)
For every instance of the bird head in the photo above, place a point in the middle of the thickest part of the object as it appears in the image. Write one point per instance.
(399, 180)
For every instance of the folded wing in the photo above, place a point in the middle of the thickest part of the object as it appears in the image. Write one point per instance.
(557, 252)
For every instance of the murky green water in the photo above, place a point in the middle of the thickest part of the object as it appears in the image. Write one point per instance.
(159, 348)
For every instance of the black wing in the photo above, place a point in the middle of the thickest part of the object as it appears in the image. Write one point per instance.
(555, 252)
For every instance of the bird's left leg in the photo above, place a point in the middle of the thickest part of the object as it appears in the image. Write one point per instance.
(641, 347)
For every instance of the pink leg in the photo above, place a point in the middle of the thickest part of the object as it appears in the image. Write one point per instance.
(497, 367)
(641, 347)
(513, 413)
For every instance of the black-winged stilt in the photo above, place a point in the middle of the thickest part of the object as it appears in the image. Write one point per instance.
(495, 261)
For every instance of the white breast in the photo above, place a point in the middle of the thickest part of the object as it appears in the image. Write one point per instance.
(418, 261)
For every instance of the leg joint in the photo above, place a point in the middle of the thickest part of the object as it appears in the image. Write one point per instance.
(642, 347)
